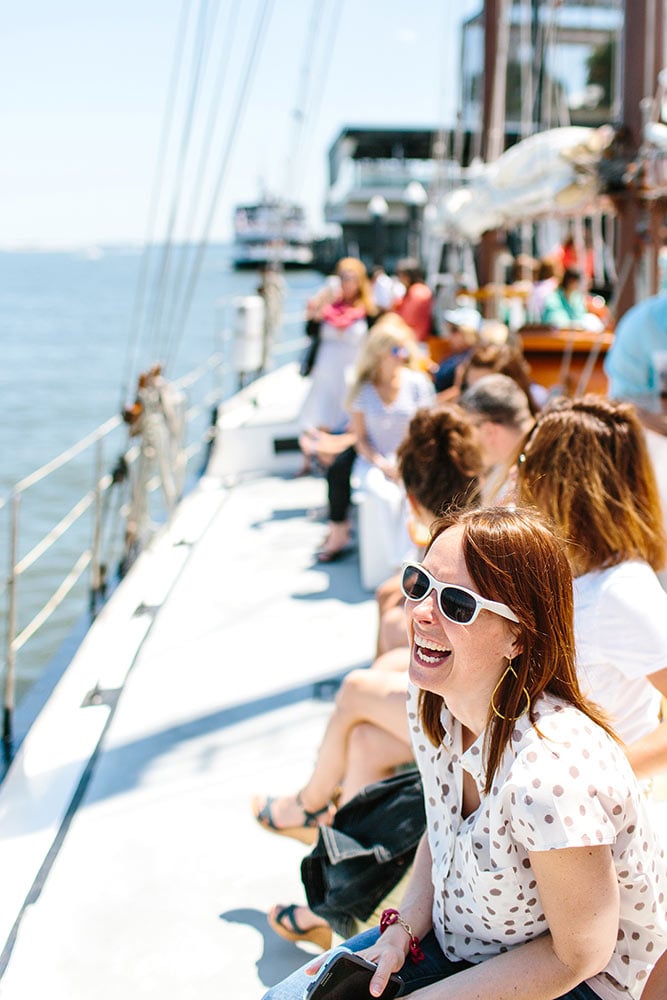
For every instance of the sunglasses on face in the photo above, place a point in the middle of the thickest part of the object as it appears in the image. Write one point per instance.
(400, 352)
(458, 604)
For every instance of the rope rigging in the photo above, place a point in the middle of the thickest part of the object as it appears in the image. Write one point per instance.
(204, 159)
(263, 14)
(156, 418)
(312, 108)
(199, 51)
(132, 354)
(298, 113)
(160, 314)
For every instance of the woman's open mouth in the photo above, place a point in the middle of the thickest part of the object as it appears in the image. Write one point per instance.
(430, 653)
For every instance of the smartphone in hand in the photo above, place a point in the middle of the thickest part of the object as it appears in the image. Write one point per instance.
(347, 976)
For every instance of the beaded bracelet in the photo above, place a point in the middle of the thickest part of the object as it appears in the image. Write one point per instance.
(390, 917)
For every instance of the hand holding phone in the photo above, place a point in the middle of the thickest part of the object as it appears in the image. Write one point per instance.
(347, 976)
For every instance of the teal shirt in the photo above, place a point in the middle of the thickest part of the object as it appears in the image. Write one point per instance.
(560, 310)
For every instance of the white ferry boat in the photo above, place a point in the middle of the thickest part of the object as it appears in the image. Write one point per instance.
(271, 231)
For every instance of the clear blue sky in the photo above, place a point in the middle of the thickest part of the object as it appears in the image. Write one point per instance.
(83, 87)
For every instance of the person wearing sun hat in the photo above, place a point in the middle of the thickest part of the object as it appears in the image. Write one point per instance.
(462, 332)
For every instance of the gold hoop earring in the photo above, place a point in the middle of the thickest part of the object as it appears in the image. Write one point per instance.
(509, 670)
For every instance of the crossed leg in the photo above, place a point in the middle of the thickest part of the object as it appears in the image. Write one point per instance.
(365, 739)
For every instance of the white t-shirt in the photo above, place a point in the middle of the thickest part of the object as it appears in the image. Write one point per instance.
(387, 423)
(620, 625)
(570, 787)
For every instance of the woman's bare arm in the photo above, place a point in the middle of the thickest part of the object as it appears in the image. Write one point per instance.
(579, 892)
(648, 755)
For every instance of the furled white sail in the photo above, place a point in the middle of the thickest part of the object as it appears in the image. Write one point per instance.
(550, 172)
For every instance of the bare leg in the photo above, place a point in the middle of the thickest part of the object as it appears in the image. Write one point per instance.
(389, 594)
(396, 659)
(297, 922)
(392, 631)
(338, 536)
(373, 754)
(657, 981)
(375, 696)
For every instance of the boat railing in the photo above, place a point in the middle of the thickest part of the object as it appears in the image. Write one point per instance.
(94, 543)
(392, 172)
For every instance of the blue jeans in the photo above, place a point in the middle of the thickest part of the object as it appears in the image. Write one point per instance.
(432, 969)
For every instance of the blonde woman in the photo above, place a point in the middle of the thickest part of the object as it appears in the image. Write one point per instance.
(388, 388)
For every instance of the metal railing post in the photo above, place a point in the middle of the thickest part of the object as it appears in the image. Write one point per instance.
(96, 581)
(10, 667)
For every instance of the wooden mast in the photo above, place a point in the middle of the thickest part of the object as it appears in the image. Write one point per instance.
(642, 57)
(496, 33)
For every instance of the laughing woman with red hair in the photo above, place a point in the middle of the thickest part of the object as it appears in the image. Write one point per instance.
(539, 876)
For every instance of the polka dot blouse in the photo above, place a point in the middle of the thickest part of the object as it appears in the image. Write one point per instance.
(571, 788)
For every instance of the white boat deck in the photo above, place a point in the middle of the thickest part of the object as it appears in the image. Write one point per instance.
(211, 662)
(160, 885)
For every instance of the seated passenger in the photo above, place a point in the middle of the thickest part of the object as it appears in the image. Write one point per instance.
(502, 413)
(416, 306)
(587, 467)
(386, 291)
(544, 287)
(462, 332)
(566, 307)
(343, 312)
(367, 736)
(389, 387)
(503, 359)
(539, 874)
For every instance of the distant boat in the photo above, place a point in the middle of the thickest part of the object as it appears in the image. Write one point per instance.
(271, 231)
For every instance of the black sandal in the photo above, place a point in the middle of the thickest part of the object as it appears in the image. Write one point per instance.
(307, 832)
(282, 920)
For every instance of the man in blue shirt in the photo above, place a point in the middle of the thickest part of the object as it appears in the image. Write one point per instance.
(634, 358)
(463, 326)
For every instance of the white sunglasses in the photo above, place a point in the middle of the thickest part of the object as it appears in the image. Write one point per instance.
(458, 604)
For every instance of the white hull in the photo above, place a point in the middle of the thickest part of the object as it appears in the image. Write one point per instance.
(256, 254)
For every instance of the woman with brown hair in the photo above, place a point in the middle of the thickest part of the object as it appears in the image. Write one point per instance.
(539, 875)
(586, 466)
(503, 359)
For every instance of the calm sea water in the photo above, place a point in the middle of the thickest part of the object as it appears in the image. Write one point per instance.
(65, 323)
